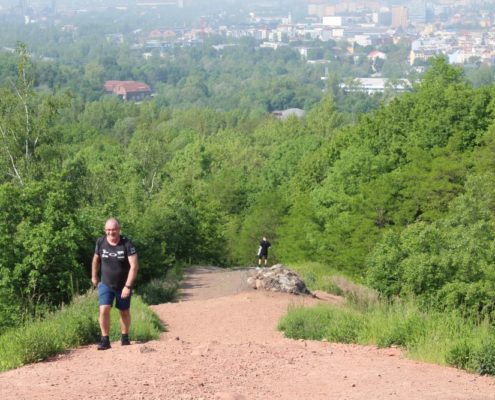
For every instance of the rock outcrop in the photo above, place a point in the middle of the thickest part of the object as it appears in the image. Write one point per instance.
(278, 278)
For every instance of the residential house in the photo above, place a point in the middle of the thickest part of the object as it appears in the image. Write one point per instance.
(128, 90)
(290, 112)
(377, 54)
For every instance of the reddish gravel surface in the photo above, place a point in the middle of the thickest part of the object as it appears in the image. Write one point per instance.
(222, 343)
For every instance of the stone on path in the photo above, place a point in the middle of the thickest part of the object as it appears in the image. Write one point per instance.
(278, 278)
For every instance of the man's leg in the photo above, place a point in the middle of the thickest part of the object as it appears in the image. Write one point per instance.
(105, 319)
(125, 324)
(106, 297)
(125, 321)
(124, 306)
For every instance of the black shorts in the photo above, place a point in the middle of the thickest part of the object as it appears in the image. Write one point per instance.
(262, 255)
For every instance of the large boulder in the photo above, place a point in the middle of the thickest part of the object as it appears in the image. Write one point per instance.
(278, 278)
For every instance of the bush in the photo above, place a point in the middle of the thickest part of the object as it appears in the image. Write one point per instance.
(484, 358)
(323, 322)
(159, 291)
(460, 355)
(302, 323)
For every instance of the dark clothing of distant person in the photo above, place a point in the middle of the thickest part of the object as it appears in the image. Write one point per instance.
(263, 251)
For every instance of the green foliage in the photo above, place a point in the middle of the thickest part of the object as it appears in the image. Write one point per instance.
(477, 356)
(262, 221)
(72, 326)
(41, 263)
(27, 142)
(159, 291)
(317, 276)
(460, 355)
(322, 322)
(484, 358)
(404, 328)
(443, 338)
(448, 263)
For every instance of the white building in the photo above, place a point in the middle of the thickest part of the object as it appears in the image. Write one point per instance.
(375, 85)
(332, 21)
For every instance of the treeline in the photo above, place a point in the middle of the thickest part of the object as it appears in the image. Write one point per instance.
(403, 199)
(240, 76)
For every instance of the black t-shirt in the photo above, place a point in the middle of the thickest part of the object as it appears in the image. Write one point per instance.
(264, 244)
(114, 261)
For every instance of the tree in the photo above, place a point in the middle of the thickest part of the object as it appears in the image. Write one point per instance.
(25, 121)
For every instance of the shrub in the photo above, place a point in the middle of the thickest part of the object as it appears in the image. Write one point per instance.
(159, 291)
(460, 355)
(323, 322)
(302, 323)
(484, 358)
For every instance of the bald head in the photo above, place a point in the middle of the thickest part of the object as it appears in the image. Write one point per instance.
(112, 223)
(112, 230)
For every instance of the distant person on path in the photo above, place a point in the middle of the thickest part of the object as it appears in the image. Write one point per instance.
(119, 266)
(263, 251)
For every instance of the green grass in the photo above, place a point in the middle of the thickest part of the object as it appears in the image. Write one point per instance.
(72, 326)
(318, 276)
(442, 338)
(322, 322)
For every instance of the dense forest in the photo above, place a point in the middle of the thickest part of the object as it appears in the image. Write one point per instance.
(401, 197)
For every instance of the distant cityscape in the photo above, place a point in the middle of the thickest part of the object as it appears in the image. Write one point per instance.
(462, 31)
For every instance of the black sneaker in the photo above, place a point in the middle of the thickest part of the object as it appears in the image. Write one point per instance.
(104, 343)
(124, 340)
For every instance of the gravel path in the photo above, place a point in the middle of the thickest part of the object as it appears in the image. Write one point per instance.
(222, 344)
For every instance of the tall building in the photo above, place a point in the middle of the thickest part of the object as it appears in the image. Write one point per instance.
(23, 5)
(400, 17)
(383, 17)
(417, 11)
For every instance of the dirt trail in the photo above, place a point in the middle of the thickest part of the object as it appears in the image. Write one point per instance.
(222, 343)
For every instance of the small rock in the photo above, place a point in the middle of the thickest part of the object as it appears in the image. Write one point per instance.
(229, 396)
(146, 349)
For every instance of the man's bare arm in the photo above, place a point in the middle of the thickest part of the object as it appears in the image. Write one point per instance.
(95, 269)
(133, 262)
(131, 277)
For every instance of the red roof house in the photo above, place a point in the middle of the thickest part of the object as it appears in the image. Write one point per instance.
(128, 90)
(377, 54)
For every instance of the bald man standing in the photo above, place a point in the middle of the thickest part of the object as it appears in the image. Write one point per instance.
(117, 257)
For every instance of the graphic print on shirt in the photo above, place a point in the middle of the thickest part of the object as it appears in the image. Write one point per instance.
(114, 261)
